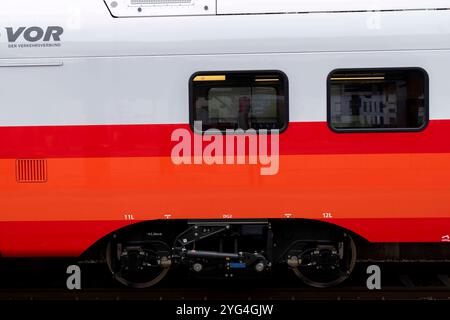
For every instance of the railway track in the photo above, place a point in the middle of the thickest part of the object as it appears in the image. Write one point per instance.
(44, 280)
(205, 294)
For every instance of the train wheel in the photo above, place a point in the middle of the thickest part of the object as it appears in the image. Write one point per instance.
(327, 265)
(138, 265)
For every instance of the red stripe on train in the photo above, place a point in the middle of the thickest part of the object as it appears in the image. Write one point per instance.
(72, 238)
(155, 140)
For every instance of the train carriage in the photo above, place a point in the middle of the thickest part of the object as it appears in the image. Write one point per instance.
(226, 136)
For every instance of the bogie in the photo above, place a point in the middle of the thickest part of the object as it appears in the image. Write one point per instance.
(320, 255)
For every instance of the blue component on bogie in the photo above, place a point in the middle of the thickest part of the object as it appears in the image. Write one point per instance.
(237, 265)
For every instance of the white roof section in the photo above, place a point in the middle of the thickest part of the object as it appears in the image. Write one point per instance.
(292, 6)
(149, 8)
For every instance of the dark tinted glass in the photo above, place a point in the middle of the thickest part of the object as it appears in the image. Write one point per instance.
(378, 99)
(240, 100)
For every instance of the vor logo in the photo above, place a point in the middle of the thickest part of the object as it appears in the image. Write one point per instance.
(34, 34)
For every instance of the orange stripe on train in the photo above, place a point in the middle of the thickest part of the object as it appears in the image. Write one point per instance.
(348, 186)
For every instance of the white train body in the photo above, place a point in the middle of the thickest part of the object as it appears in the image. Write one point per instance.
(81, 82)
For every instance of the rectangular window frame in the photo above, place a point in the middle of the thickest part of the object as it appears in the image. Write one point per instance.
(255, 72)
(380, 130)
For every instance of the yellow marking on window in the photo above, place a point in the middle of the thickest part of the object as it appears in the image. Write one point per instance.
(210, 78)
(357, 78)
(266, 80)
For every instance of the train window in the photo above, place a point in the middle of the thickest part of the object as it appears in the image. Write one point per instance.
(378, 100)
(239, 100)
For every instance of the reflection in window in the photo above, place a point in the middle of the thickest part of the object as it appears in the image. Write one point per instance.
(371, 99)
(240, 101)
